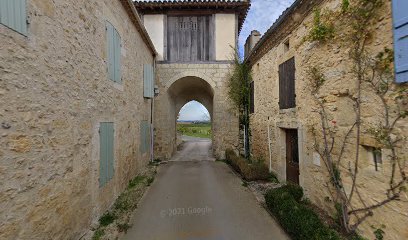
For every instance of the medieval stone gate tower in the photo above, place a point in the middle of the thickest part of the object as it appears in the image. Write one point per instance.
(195, 42)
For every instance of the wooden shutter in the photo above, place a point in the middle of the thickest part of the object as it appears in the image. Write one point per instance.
(252, 98)
(106, 163)
(13, 14)
(287, 96)
(144, 136)
(189, 38)
(400, 14)
(117, 47)
(148, 81)
(114, 53)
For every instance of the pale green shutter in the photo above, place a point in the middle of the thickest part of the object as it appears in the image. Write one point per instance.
(106, 163)
(144, 136)
(13, 14)
(114, 53)
(110, 151)
(117, 56)
(103, 155)
(147, 139)
(148, 81)
(110, 34)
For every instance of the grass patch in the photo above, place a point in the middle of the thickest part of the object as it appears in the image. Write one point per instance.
(98, 234)
(299, 221)
(249, 171)
(120, 213)
(155, 162)
(136, 181)
(201, 130)
(123, 227)
(150, 181)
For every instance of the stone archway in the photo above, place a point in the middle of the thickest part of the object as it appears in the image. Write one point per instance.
(187, 89)
(191, 88)
(182, 83)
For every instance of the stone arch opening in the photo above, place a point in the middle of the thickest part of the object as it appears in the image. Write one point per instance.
(185, 90)
(194, 123)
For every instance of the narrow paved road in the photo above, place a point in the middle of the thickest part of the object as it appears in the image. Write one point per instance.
(196, 198)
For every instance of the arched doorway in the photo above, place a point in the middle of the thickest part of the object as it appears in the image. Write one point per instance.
(180, 86)
(193, 123)
(189, 90)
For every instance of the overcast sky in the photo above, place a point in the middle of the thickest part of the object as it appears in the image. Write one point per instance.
(261, 16)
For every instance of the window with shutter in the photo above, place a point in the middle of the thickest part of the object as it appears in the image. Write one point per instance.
(144, 136)
(106, 163)
(114, 53)
(287, 96)
(13, 15)
(148, 81)
(400, 14)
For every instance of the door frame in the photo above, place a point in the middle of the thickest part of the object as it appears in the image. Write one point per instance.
(295, 166)
(281, 127)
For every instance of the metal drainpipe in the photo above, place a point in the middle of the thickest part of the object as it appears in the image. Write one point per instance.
(152, 113)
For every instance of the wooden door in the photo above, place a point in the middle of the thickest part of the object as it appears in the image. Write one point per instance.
(292, 156)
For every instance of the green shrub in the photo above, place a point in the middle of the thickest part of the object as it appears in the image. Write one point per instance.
(294, 190)
(299, 221)
(255, 171)
(249, 171)
(107, 219)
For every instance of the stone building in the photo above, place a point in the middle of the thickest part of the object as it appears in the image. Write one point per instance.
(285, 111)
(74, 119)
(195, 41)
(77, 87)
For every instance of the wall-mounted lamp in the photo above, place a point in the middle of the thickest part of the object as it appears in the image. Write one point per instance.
(156, 91)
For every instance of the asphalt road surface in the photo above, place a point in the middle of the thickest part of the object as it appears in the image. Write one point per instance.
(195, 198)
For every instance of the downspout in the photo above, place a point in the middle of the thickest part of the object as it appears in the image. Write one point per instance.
(152, 112)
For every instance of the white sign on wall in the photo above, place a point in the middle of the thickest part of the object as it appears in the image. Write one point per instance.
(316, 159)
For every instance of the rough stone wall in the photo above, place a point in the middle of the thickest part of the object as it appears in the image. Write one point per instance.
(333, 58)
(224, 121)
(54, 92)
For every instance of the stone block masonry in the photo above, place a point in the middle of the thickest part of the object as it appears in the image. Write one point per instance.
(54, 93)
(205, 83)
(287, 41)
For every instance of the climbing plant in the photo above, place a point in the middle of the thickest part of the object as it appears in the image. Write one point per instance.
(372, 74)
(322, 29)
(239, 94)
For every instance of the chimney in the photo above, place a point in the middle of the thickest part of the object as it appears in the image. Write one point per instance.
(251, 41)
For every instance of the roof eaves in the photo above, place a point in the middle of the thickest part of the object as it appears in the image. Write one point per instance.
(128, 4)
(272, 29)
(142, 5)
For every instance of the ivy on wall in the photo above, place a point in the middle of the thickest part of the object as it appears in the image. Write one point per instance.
(239, 95)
